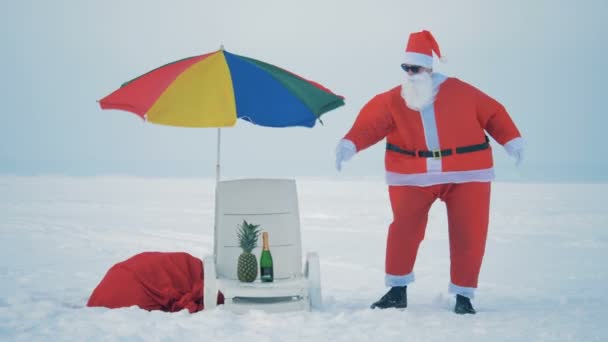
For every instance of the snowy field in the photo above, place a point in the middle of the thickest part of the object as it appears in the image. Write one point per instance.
(544, 276)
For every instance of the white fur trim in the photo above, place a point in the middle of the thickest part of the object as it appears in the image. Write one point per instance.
(414, 58)
(468, 292)
(391, 280)
(433, 178)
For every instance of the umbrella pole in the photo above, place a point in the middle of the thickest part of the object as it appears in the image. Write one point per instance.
(217, 165)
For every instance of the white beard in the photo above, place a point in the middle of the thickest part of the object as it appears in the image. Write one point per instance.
(417, 90)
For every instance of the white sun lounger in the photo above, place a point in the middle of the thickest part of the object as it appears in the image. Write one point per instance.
(273, 204)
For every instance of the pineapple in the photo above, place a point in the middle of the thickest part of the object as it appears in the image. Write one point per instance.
(247, 269)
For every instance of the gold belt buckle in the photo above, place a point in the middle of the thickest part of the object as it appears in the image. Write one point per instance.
(436, 154)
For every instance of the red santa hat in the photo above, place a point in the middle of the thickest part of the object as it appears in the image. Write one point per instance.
(420, 48)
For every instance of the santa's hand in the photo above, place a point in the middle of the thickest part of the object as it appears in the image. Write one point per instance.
(519, 156)
(344, 151)
(515, 148)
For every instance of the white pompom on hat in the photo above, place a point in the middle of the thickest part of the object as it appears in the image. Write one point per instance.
(420, 48)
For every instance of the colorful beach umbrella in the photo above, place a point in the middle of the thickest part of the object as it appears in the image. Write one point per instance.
(214, 89)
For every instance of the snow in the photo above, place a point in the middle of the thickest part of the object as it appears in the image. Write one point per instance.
(543, 277)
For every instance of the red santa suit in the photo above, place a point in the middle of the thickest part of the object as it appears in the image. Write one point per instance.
(439, 151)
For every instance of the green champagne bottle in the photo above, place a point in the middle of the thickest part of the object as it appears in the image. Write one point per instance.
(266, 270)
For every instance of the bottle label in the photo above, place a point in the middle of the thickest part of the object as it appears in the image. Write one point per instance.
(266, 273)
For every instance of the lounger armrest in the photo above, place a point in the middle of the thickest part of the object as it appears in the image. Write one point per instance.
(210, 281)
(312, 272)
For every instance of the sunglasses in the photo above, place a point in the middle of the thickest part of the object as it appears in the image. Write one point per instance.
(413, 68)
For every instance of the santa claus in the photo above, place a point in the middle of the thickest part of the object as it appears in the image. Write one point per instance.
(436, 148)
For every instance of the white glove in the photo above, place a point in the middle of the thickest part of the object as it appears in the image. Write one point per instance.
(519, 156)
(515, 148)
(345, 150)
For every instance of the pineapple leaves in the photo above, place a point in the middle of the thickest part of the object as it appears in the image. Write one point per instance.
(248, 234)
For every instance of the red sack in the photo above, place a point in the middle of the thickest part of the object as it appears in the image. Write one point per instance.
(153, 281)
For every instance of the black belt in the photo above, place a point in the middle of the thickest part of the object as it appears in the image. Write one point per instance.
(441, 153)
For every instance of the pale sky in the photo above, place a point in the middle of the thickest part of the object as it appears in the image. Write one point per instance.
(544, 60)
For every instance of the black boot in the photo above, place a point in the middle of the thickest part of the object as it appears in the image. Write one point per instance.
(463, 305)
(396, 297)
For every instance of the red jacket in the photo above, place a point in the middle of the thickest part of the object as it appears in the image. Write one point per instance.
(459, 116)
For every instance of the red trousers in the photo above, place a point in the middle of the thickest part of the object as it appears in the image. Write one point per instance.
(468, 207)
